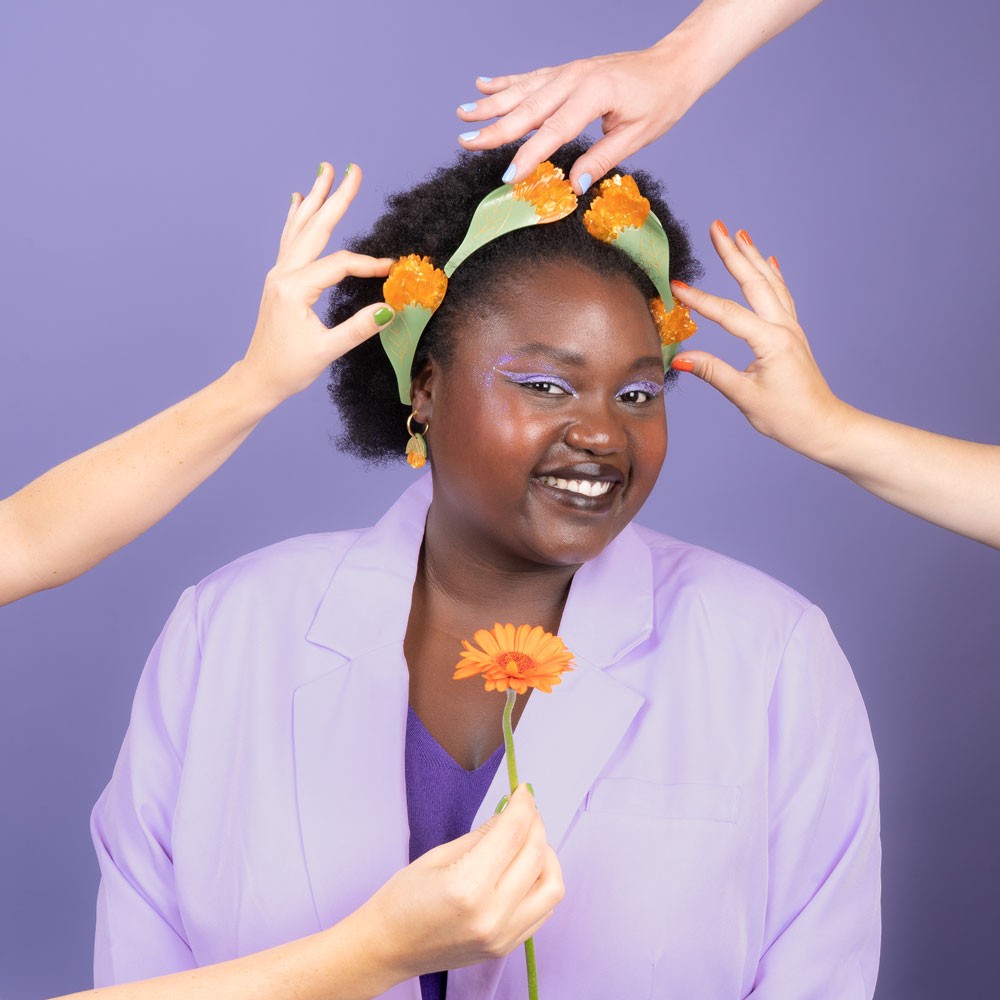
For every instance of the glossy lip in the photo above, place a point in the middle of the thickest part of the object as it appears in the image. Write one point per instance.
(589, 471)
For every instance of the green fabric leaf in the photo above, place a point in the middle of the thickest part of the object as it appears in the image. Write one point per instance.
(498, 213)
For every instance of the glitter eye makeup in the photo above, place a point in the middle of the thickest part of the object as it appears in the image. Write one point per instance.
(651, 389)
(528, 378)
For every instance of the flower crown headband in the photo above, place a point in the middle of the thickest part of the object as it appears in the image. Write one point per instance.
(618, 215)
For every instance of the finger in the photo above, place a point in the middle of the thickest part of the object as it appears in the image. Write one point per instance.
(748, 248)
(783, 291)
(730, 382)
(311, 239)
(606, 154)
(753, 283)
(525, 868)
(363, 324)
(532, 112)
(292, 210)
(494, 84)
(319, 275)
(504, 837)
(730, 315)
(503, 102)
(316, 196)
(563, 125)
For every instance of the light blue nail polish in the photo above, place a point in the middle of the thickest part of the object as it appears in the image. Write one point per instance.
(471, 106)
(585, 181)
(469, 136)
(485, 79)
(509, 174)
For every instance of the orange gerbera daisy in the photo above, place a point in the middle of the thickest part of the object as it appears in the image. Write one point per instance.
(548, 192)
(673, 326)
(515, 658)
(414, 281)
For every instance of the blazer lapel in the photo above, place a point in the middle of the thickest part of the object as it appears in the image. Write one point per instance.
(564, 739)
(350, 720)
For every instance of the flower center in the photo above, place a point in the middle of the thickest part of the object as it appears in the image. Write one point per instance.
(513, 664)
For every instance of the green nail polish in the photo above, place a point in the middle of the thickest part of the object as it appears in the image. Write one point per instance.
(348, 170)
(383, 314)
(501, 806)
(293, 199)
(319, 173)
(530, 787)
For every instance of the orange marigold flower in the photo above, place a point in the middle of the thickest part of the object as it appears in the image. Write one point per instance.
(516, 658)
(673, 326)
(547, 191)
(414, 281)
(618, 205)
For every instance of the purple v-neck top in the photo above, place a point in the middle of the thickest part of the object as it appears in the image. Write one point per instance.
(442, 800)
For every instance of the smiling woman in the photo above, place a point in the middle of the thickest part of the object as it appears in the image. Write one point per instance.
(706, 773)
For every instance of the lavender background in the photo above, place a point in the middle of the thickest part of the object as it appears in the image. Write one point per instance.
(150, 153)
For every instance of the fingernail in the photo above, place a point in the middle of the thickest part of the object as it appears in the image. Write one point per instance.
(774, 261)
(382, 315)
(471, 106)
(509, 174)
(348, 170)
(530, 787)
(319, 173)
(293, 199)
(682, 365)
(745, 236)
(722, 228)
(469, 136)
(679, 284)
(585, 182)
(501, 806)
(485, 79)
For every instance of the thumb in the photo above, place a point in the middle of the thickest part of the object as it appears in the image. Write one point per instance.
(730, 382)
(363, 324)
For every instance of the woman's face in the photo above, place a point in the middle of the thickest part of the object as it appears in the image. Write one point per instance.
(547, 428)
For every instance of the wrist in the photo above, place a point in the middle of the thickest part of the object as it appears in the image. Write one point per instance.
(249, 393)
(834, 437)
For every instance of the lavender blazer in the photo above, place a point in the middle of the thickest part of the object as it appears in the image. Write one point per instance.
(706, 775)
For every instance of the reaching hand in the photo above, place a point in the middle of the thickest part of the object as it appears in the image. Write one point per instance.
(291, 346)
(473, 899)
(782, 392)
(637, 95)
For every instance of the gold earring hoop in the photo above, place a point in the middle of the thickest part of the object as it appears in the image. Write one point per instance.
(416, 447)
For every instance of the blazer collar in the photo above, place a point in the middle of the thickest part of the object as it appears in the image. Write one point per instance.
(367, 605)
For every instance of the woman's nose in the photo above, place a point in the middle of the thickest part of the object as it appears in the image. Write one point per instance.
(597, 430)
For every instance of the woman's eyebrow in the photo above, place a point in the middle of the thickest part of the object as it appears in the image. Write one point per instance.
(561, 356)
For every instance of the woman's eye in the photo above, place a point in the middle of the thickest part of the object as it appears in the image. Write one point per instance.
(639, 394)
(548, 388)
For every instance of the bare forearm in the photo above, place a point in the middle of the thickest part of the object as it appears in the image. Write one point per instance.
(72, 517)
(722, 33)
(949, 482)
(346, 962)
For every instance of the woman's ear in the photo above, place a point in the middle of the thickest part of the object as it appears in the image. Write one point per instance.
(422, 392)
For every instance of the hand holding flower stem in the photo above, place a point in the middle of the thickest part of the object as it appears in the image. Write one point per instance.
(513, 660)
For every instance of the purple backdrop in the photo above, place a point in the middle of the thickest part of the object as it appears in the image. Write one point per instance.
(150, 153)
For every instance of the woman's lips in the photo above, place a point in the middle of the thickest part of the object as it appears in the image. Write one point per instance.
(583, 487)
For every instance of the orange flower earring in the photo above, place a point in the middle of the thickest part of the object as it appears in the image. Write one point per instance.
(416, 447)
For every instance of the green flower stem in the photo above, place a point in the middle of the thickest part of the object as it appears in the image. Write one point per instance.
(508, 742)
(508, 738)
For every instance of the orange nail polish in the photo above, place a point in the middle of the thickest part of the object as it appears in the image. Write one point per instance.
(682, 365)
(678, 284)
(722, 228)
(745, 236)
(774, 261)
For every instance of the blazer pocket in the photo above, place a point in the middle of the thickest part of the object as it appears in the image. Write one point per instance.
(686, 801)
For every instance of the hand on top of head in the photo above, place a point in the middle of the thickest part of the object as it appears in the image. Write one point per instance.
(638, 96)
